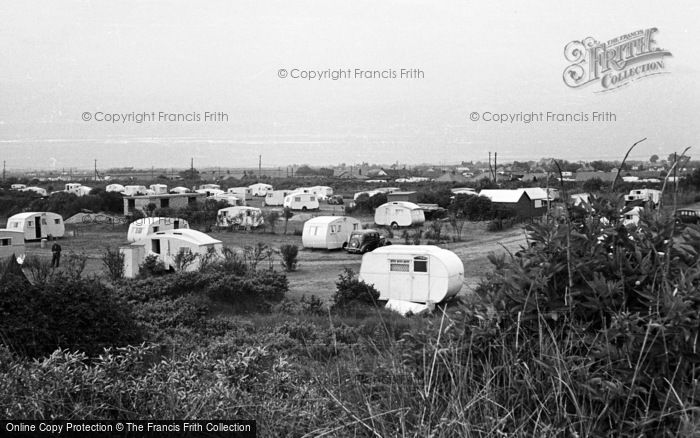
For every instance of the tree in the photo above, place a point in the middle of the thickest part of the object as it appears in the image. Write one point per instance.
(654, 158)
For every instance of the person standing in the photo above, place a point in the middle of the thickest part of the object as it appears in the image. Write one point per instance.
(56, 251)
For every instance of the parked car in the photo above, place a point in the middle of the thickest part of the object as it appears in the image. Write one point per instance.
(362, 241)
(335, 200)
(687, 216)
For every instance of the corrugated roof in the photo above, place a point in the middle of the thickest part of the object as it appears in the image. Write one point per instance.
(536, 193)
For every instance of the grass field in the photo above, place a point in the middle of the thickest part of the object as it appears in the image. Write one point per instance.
(317, 269)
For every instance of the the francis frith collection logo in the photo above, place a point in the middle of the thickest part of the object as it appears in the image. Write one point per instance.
(616, 62)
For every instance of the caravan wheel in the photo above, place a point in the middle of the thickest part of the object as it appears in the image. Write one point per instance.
(394, 225)
(303, 208)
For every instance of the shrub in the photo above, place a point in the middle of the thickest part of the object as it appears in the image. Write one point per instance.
(67, 312)
(351, 291)
(113, 260)
(289, 257)
(184, 258)
(152, 266)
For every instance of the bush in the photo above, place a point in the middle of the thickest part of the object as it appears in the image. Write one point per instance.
(289, 257)
(350, 291)
(113, 260)
(66, 312)
(152, 266)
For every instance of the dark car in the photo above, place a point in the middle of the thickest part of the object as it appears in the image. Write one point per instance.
(362, 241)
(687, 216)
(335, 200)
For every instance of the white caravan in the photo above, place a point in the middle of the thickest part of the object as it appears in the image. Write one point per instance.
(276, 197)
(232, 200)
(243, 192)
(37, 225)
(141, 228)
(328, 232)
(301, 201)
(38, 190)
(399, 214)
(11, 243)
(248, 217)
(159, 189)
(415, 273)
(260, 189)
(166, 245)
(135, 190)
(118, 188)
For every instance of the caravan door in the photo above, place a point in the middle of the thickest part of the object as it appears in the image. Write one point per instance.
(421, 279)
(37, 227)
(399, 279)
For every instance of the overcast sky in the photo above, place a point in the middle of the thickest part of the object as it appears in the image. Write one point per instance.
(59, 60)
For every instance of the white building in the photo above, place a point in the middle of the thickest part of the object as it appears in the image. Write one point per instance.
(11, 243)
(248, 217)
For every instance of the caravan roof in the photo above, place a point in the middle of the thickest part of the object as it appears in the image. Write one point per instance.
(188, 235)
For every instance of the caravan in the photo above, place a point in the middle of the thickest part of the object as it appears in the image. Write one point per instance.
(242, 192)
(260, 189)
(415, 273)
(141, 228)
(328, 232)
(248, 217)
(159, 189)
(37, 225)
(276, 197)
(399, 214)
(301, 201)
(166, 245)
(11, 243)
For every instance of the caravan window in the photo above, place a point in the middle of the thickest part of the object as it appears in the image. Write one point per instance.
(355, 227)
(6, 242)
(398, 265)
(14, 225)
(297, 199)
(311, 198)
(420, 264)
(335, 228)
(43, 221)
(57, 221)
(398, 210)
(138, 230)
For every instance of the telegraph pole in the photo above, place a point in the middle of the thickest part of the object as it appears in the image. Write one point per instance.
(259, 166)
(95, 169)
(3, 171)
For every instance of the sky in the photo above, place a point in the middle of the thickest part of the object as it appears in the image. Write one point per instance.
(66, 66)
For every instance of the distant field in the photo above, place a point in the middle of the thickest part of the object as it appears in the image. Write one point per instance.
(317, 270)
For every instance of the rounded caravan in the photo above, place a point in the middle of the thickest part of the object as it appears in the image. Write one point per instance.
(11, 243)
(37, 225)
(301, 201)
(260, 189)
(134, 190)
(159, 189)
(328, 232)
(415, 273)
(179, 190)
(248, 217)
(399, 214)
(118, 188)
(210, 192)
(141, 228)
(166, 245)
(242, 192)
(230, 199)
(276, 197)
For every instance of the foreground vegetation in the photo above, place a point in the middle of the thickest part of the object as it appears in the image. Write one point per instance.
(592, 330)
